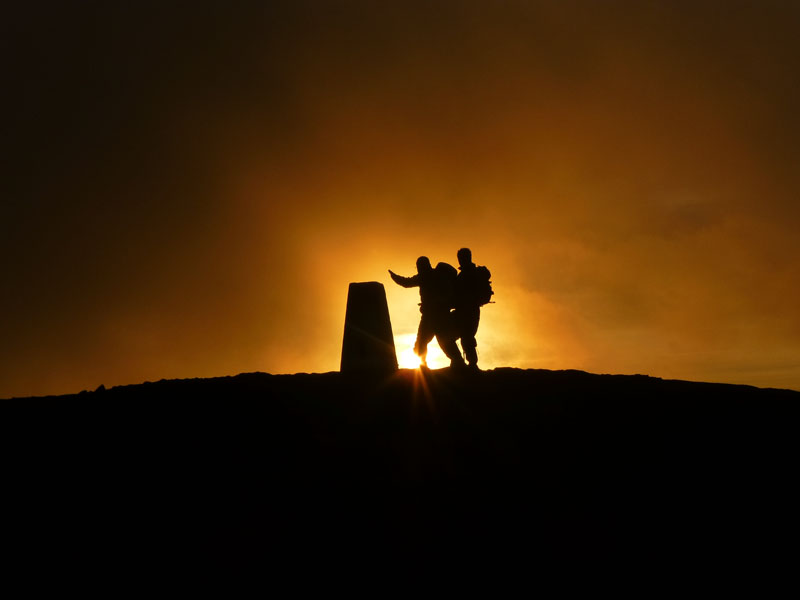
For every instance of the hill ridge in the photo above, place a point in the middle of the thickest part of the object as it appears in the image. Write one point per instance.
(462, 467)
(399, 373)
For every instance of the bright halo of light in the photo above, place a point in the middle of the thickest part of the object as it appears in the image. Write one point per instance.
(404, 345)
(407, 359)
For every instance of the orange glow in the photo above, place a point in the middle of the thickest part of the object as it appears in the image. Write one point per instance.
(629, 175)
(404, 346)
(407, 359)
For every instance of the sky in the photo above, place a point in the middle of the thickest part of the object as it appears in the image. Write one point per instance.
(188, 188)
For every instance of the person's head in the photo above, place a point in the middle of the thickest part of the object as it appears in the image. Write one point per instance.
(423, 264)
(464, 257)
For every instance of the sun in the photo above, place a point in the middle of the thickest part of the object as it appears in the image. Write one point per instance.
(407, 359)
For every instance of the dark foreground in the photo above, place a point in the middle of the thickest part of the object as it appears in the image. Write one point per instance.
(507, 467)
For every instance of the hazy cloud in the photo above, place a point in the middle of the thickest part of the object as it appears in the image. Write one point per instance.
(188, 191)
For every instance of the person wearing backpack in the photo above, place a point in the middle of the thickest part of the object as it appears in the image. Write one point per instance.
(472, 290)
(436, 294)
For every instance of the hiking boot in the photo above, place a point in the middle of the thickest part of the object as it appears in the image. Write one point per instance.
(458, 364)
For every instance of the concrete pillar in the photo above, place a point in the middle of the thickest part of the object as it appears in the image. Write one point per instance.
(368, 344)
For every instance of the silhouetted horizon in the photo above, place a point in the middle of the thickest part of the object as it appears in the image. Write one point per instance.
(489, 470)
(401, 372)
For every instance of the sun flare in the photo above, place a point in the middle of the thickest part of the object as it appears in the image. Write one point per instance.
(407, 359)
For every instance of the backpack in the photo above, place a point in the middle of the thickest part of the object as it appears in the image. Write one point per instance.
(446, 280)
(447, 271)
(483, 287)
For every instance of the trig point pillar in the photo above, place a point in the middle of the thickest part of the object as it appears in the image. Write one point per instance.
(368, 343)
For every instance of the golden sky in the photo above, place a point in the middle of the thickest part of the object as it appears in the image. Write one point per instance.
(187, 192)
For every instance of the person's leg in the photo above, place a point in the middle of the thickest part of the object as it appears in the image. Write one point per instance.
(446, 336)
(470, 346)
(425, 334)
(469, 327)
(449, 347)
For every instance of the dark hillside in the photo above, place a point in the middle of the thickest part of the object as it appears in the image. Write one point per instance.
(523, 467)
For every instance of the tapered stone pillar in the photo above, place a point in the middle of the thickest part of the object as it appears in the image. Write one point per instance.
(368, 344)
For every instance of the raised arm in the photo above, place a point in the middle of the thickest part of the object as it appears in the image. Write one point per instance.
(406, 282)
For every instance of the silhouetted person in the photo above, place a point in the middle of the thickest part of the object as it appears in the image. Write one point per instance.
(436, 294)
(472, 290)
